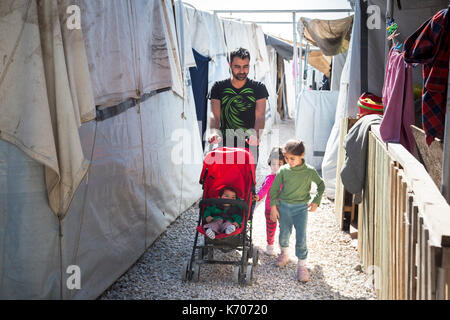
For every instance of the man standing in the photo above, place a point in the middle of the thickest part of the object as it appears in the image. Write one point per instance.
(238, 106)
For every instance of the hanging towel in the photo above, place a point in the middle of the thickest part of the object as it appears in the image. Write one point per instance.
(429, 46)
(353, 172)
(398, 101)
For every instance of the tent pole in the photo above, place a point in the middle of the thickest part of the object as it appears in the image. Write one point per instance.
(296, 64)
(389, 15)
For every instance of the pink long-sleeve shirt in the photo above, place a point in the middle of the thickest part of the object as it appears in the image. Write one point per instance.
(265, 189)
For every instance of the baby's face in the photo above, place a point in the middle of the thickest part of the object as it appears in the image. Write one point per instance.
(228, 194)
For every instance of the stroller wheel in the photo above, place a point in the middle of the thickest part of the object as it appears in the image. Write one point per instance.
(195, 272)
(255, 256)
(202, 253)
(249, 275)
(250, 252)
(185, 272)
(237, 274)
(210, 254)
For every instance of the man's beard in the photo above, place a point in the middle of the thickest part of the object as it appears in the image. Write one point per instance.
(240, 76)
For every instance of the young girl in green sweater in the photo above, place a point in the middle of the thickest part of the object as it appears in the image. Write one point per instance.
(290, 205)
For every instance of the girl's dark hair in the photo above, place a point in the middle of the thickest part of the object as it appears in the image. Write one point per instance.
(222, 191)
(241, 53)
(276, 153)
(295, 147)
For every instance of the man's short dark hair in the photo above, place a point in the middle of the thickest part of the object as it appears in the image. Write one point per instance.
(294, 147)
(241, 53)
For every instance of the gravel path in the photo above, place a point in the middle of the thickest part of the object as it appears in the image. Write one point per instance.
(333, 262)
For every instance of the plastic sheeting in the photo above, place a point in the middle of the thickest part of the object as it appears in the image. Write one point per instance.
(336, 70)
(140, 58)
(199, 79)
(207, 36)
(45, 93)
(331, 36)
(314, 121)
(138, 184)
(145, 166)
(284, 49)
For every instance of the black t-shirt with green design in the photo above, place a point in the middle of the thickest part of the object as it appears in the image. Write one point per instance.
(237, 109)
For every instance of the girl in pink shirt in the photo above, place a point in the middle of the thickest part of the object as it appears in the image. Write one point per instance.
(276, 160)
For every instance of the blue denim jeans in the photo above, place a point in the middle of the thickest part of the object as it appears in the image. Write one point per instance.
(294, 215)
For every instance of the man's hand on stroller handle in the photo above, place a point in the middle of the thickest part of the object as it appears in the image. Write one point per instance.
(252, 140)
(214, 136)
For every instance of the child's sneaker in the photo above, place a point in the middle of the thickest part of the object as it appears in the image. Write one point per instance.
(270, 250)
(303, 274)
(211, 234)
(282, 259)
(230, 229)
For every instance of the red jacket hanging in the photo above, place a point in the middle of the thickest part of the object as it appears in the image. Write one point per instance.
(429, 46)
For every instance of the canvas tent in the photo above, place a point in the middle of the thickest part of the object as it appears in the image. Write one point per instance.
(132, 130)
(314, 121)
(364, 67)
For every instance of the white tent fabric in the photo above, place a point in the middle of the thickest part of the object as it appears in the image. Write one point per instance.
(145, 166)
(172, 46)
(336, 70)
(42, 109)
(314, 121)
(184, 35)
(118, 41)
(206, 33)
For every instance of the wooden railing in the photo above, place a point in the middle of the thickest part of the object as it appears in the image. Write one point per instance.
(403, 225)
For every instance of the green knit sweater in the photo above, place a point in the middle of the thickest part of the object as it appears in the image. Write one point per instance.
(296, 183)
(231, 213)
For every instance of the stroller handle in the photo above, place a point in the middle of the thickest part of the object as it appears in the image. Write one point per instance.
(236, 202)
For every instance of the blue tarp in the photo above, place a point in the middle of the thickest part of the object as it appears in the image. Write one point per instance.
(199, 78)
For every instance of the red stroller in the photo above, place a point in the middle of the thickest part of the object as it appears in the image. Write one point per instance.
(233, 167)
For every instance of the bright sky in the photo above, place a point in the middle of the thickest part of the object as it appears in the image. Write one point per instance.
(282, 30)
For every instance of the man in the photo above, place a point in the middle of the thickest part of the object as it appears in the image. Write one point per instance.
(238, 106)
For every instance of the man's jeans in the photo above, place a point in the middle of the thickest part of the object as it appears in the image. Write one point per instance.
(294, 215)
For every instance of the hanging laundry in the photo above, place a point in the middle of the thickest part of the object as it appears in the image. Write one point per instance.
(398, 101)
(429, 46)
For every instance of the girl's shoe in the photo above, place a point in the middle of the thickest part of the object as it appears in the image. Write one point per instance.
(282, 259)
(210, 234)
(303, 274)
(270, 250)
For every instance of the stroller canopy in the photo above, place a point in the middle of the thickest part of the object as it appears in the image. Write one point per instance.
(233, 167)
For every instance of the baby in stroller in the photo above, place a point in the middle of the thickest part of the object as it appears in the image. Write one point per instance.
(223, 218)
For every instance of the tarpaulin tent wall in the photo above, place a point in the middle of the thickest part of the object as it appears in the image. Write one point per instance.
(144, 162)
(314, 121)
(366, 63)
